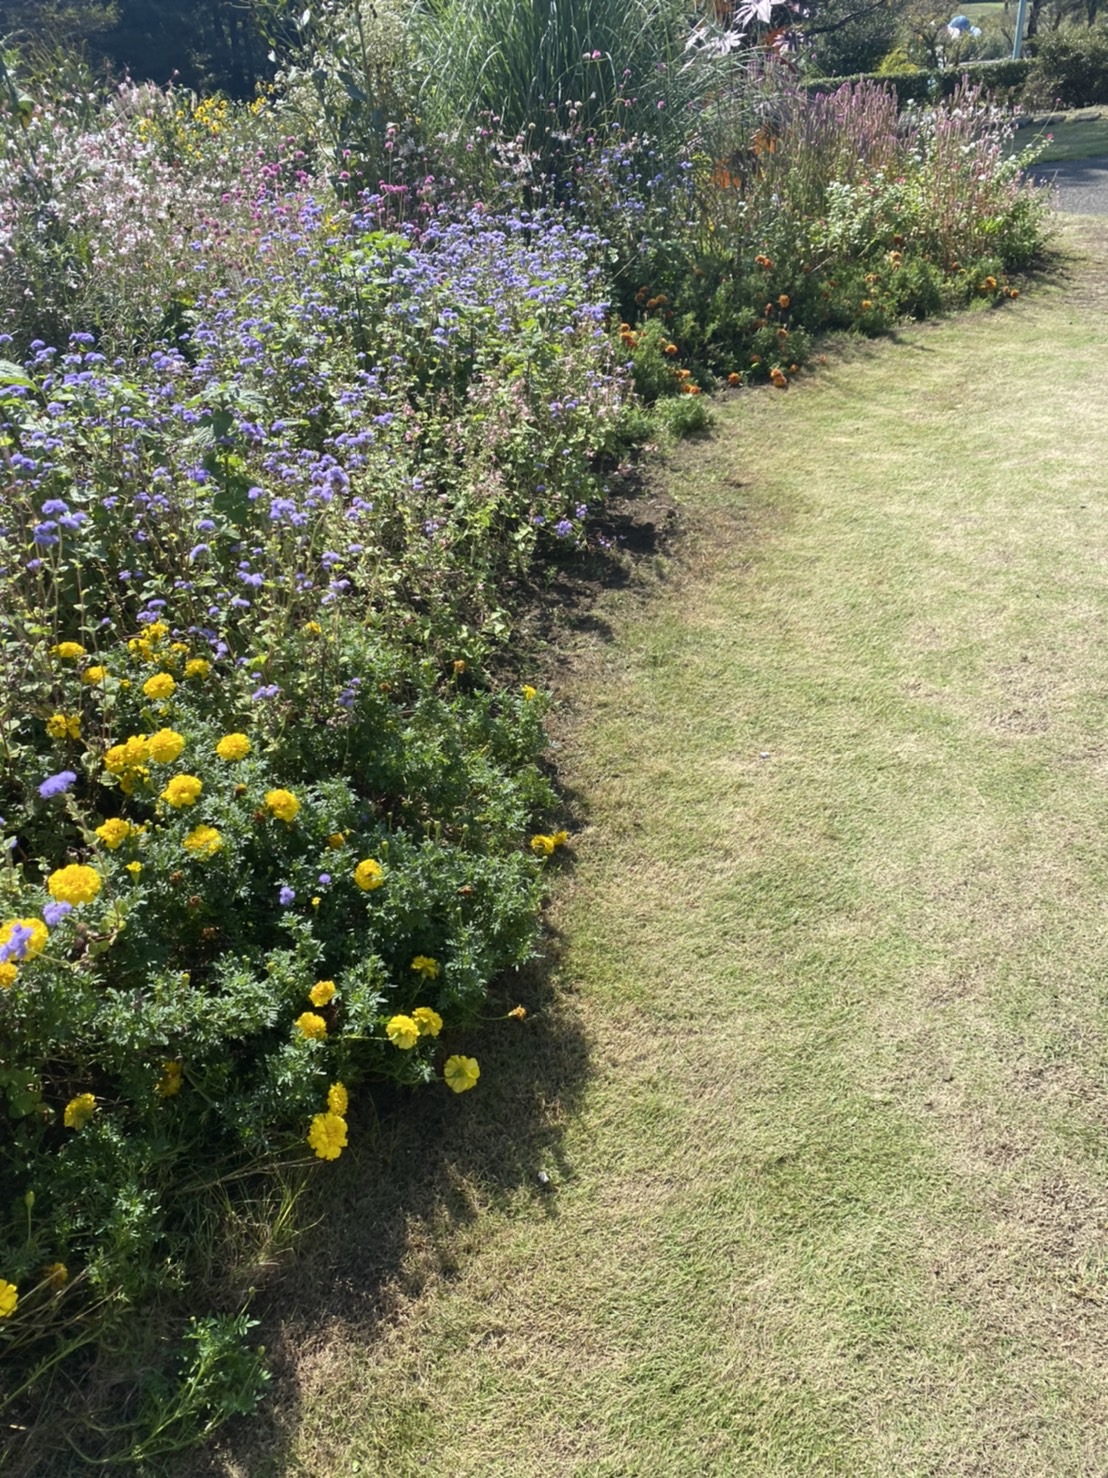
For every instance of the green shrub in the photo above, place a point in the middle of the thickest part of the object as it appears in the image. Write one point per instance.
(1068, 68)
(1004, 79)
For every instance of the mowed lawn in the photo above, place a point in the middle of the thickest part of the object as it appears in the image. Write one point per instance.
(818, 1070)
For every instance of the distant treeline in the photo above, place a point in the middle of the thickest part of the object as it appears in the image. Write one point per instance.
(204, 44)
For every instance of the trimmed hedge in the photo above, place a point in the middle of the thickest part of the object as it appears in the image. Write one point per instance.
(1006, 78)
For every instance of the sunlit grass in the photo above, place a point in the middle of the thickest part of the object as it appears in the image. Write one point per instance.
(1068, 136)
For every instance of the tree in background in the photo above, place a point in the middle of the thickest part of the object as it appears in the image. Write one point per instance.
(205, 44)
(842, 37)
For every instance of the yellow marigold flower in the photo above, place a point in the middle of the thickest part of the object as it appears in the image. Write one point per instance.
(233, 747)
(138, 646)
(197, 667)
(134, 868)
(312, 1026)
(9, 1299)
(156, 631)
(542, 846)
(336, 840)
(62, 726)
(518, 1013)
(529, 692)
(338, 1100)
(74, 884)
(327, 1136)
(402, 1032)
(56, 1274)
(312, 628)
(130, 778)
(68, 651)
(560, 838)
(130, 755)
(321, 992)
(114, 832)
(460, 1073)
(316, 901)
(79, 1110)
(427, 967)
(171, 1080)
(182, 790)
(283, 804)
(165, 746)
(32, 945)
(161, 685)
(369, 874)
(94, 675)
(428, 1021)
(8, 973)
(203, 841)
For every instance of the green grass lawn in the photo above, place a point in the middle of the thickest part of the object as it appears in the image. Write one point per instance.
(817, 1079)
(1069, 136)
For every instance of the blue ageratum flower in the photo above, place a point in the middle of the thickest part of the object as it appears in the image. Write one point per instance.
(57, 784)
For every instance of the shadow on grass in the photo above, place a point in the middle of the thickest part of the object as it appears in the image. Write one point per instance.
(421, 1167)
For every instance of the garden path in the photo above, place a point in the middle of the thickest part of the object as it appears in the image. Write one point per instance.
(822, 1103)
(1082, 184)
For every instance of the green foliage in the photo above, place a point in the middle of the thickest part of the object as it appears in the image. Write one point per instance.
(1069, 68)
(1004, 79)
(549, 75)
(200, 43)
(346, 77)
(837, 213)
(846, 37)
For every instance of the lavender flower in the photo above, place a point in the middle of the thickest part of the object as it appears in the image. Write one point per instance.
(57, 784)
(15, 948)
